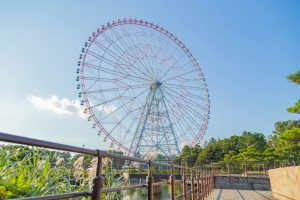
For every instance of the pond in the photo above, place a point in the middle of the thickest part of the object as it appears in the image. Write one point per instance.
(141, 193)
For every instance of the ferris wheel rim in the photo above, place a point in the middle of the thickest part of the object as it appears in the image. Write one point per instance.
(161, 30)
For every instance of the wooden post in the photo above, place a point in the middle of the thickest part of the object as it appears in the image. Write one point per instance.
(198, 186)
(228, 169)
(172, 184)
(149, 180)
(209, 183)
(203, 185)
(212, 182)
(98, 181)
(193, 186)
(206, 184)
(184, 189)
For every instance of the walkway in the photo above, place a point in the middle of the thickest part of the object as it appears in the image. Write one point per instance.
(231, 194)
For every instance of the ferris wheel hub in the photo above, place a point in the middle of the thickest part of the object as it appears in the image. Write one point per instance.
(155, 85)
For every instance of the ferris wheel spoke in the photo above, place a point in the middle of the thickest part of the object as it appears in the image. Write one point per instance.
(183, 132)
(167, 59)
(112, 72)
(122, 119)
(106, 60)
(107, 101)
(110, 52)
(180, 75)
(128, 130)
(183, 86)
(171, 66)
(160, 41)
(142, 40)
(133, 98)
(115, 45)
(195, 95)
(125, 46)
(90, 86)
(99, 79)
(187, 99)
(116, 88)
(183, 107)
(193, 111)
(191, 95)
(120, 126)
(158, 69)
(92, 72)
(134, 44)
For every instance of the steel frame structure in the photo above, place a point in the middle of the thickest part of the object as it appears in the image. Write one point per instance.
(143, 88)
(155, 126)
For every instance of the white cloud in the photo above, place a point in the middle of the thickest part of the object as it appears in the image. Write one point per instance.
(58, 106)
(107, 108)
(65, 106)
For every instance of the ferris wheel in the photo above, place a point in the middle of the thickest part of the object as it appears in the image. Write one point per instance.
(143, 89)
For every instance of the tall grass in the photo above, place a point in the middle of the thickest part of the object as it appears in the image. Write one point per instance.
(28, 171)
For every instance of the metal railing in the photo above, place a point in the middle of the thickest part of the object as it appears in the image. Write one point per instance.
(196, 183)
(244, 169)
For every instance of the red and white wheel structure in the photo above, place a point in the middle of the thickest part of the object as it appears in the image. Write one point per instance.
(142, 88)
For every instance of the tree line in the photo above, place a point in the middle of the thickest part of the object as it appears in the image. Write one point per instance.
(282, 146)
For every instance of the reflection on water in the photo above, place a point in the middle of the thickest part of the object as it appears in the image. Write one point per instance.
(141, 193)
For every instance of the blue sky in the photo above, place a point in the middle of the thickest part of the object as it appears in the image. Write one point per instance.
(245, 49)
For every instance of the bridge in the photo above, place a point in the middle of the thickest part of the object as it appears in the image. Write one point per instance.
(194, 183)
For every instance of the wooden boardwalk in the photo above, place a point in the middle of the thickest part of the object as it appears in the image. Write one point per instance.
(232, 194)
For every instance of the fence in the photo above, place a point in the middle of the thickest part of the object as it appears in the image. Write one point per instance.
(197, 184)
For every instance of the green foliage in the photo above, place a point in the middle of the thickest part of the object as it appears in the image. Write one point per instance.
(248, 147)
(291, 135)
(280, 127)
(27, 171)
(111, 182)
(132, 169)
(295, 108)
(295, 77)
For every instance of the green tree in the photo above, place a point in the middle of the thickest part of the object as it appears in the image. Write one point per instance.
(295, 78)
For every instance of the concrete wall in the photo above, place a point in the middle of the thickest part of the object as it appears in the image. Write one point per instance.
(285, 183)
(242, 183)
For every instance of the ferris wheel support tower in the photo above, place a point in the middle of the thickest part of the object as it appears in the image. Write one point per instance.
(155, 127)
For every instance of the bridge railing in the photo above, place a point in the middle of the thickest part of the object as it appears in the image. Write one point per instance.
(196, 183)
(244, 168)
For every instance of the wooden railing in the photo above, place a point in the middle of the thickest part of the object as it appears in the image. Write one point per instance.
(196, 183)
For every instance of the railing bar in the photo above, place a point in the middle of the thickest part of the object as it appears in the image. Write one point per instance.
(41, 143)
(63, 147)
(122, 188)
(182, 194)
(57, 196)
(160, 183)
